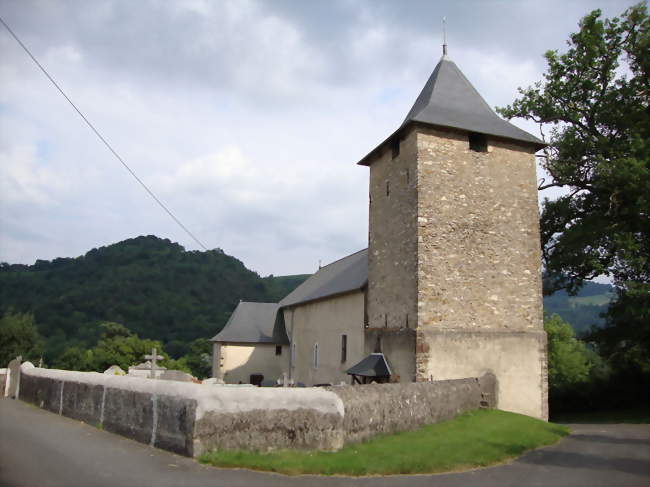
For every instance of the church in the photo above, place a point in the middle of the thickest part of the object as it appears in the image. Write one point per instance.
(450, 284)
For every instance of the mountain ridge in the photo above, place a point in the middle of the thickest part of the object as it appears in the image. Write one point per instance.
(159, 290)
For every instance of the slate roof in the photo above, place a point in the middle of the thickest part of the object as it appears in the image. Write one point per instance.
(253, 323)
(448, 99)
(374, 365)
(347, 274)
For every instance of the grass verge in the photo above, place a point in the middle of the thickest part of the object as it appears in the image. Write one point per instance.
(474, 439)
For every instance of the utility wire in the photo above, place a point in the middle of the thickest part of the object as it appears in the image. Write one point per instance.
(92, 127)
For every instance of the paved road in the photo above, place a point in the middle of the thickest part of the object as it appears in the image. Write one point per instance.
(38, 448)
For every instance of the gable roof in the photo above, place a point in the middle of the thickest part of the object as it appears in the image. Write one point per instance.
(261, 322)
(344, 275)
(448, 99)
(253, 323)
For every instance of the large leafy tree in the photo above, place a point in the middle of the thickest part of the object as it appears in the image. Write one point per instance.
(19, 336)
(117, 346)
(569, 360)
(595, 100)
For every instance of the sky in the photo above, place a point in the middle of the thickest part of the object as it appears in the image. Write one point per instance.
(246, 118)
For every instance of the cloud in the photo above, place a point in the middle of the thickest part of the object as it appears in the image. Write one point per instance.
(23, 180)
(245, 117)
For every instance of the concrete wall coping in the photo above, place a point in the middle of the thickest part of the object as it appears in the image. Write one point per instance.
(209, 398)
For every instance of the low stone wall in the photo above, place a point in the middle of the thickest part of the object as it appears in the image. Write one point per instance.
(133, 407)
(191, 418)
(388, 408)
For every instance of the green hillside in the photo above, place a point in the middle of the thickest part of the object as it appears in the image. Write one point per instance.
(154, 287)
(583, 310)
(160, 291)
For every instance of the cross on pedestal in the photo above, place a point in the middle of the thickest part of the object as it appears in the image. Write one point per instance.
(154, 358)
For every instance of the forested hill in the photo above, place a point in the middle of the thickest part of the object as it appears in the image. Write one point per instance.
(152, 286)
(159, 290)
(583, 310)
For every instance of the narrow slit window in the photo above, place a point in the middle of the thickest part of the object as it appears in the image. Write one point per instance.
(408, 176)
(315, 355)
(344, 348)
(293, 355)
(394, 148)
(387, 188)
(477, 142)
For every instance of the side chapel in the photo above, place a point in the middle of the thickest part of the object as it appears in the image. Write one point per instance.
(450, 284)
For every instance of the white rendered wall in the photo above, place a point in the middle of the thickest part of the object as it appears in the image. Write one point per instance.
(324, 322)
(240, 361)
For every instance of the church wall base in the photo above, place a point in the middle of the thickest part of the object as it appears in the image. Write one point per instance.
(518, 359)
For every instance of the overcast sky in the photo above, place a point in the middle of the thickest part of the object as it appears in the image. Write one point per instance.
(246, 118)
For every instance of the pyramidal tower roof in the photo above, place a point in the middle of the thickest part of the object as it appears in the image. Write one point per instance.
(448, 99)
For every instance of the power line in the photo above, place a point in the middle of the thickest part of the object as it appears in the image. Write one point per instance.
(110, 148)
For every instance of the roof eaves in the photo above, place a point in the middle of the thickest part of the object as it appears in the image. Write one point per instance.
(366, 160)
(329, 296)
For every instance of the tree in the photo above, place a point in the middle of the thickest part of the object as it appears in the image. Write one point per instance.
(569, 360)
(111, 329)
(122, 351)
(596, 99)
(19, 336)
(199, 358)
(625, 339)
(74, 358)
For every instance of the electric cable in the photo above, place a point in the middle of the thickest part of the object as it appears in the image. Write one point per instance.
(110, 148)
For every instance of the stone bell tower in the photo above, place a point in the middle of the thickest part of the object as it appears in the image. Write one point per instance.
(454, 278)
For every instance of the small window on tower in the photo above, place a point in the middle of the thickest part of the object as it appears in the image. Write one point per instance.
(344, 348)
(477, 142)
(387, 188)
(278, 349)
(394, 147)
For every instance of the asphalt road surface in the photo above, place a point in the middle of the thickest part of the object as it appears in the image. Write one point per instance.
(42, 449)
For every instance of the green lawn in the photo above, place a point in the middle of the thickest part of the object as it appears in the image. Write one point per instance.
(475, 439)
(632, 415)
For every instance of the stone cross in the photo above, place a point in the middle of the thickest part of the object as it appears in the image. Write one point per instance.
(153, 357)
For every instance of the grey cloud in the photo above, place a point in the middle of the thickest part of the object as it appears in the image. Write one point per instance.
(167, 85)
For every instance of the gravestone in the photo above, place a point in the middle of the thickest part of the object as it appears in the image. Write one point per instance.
(213, 381)
(154, 357)
(114, 370)
(144, 370)
(177, 375)
(12, 387)
(3, 377)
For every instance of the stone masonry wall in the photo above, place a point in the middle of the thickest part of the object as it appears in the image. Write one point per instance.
(392, 244)
(388, 408)
(479, 275)
(190, 419)
(478, 235)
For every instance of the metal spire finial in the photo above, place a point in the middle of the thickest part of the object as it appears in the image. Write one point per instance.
(444, 36)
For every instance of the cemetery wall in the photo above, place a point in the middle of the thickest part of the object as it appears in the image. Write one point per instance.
(388, 408)
(190, 419)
